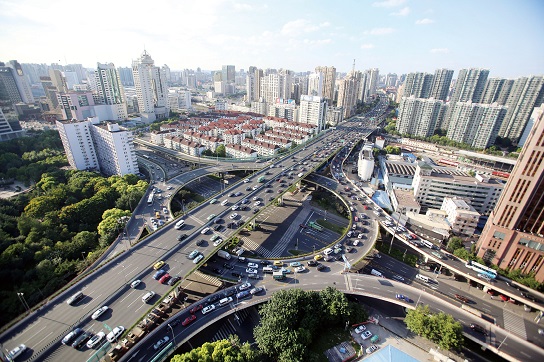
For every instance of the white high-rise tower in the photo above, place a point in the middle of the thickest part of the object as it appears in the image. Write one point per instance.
(151, 89)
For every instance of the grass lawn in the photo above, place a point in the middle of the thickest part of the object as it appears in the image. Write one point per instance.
(297, 252)
(326, 340)
(331, 226)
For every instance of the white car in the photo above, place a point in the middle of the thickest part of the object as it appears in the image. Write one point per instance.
(366, 335)
(235, 207)
(233, 216)
(135, 283)
(16, 352)
(115, 333)
(256, 290)
(161, 342)
(255, 187)
(205, 231)
(244, 286)
(246, 180)
(217, 242)
(208, 309)
(95, 340)
(371, 349)
(255, 198)
(99, 312)
(257, 203)
(165, 210)
(300, 269)
(251, 271)
(360, 329)
(252, 265)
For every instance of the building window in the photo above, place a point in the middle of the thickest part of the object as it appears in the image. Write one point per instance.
(499, 235)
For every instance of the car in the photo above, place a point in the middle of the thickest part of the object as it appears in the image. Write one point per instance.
(243, 294)
(217, 242)
(248, 188)
(264, 262)
(371, 349)
(244, 286)
(148, 296)
(366, 335)
(233, 216)
(318, 257)
(16, 352)
(230, 292)
(95, 340)
(255, 198)
(159, 265)
(205, 230)
(208, 309)
(200, 242)
(209, 218)
(312, 263)
(360, 329)
(478, 328)
(286, 271)
(99, 312)
(257, 203)
(212, 299)
(181, 237)
(234, 208)
(252, 265)
(295, 263)
(251, 270)
(255, 187)
(198, 259)
(238, 193)
(320, 267)
(135, 283)
(246, 181)
(300, 269)
(188, 320)
(158, 274)
(255, 210)
(164, 278)
(404, 297)
(462, 298)
(67, 340)
(484, 277)
(244, 201)
(213, 201)
(231, 194)
(174, 280)
(80, 341)
(193, 254)
(196, 308)
(256, 290)
(115, 333)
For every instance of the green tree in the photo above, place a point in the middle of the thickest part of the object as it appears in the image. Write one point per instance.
(454, 243)
(220, 351)
(221, 151)
(439, 328)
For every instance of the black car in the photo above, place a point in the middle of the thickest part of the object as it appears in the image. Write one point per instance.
(200, 242)
(478, 328)
(175, 322)
(320, 266)
(227, 266)
(217, 270)
(217, 227)
(212, 299)
(235, 274)
(174, 280)
(181, 237)
(255, 210)
(230, 292)
(312, 263)
(264, 262)
(231, 194)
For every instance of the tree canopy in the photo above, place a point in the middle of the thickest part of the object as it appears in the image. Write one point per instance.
(440, 328)
(230, 350)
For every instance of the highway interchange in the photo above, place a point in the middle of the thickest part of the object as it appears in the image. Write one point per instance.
(109, 285)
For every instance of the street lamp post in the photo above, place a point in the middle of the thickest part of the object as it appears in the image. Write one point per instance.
(173, 335)
(23, 301)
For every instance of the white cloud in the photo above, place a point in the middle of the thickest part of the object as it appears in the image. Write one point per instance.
(388, 3)
(243, 7)
(301, 26)
(402, 12)
(439, 50)
(317, 41)
(424, 21)
(367, 46)
(379, 31)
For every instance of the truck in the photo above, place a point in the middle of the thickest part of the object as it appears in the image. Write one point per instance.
(223, 254)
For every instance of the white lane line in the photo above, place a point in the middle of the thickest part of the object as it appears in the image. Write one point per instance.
(32, 336)
(45, 337)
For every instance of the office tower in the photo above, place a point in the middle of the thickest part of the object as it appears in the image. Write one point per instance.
(418, 116)
(513, 237)
(329, 81)
(418, 85)
(78, 105)
(476, 124)
(373, 81)
(315, 84)
(50, 91)
(127, 79)
(391, 80)
(313, 110)
(58, 80)
(440, 87)
(523, 97)
(9, 129)
(497, 90)
(469, 86)
(348, 92)
(228, 74)
(14, 87)
(91, 146)
(110, 90)
(151, 89)
(21, 81)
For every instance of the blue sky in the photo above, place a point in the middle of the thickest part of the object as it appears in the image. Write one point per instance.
(504, 36)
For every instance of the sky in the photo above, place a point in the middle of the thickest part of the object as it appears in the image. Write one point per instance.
(397, 36)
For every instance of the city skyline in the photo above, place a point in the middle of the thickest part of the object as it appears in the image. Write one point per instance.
(398, 36)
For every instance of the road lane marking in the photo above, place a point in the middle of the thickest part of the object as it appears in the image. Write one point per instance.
(41, 340)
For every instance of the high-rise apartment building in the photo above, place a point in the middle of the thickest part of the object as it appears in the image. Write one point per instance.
(93, 146)
(348, 92)
(110, 90)
(440, 87)
(277, 86)
(391, 80)
(419, 116)
(418, 85)
(9, 129)
(476, 124)
(127, 79)
(151, 88)
(228, 73)
(522, 99)
(253, 84)
(513, 237)
(328, 80)
(313, 110)
(315, 84)
(497, 91)
(373, 81)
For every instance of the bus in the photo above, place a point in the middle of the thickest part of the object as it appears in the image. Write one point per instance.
(446, 162)
(315, 226)
(482, 269)
(261, 179)
(278, 275)
(150, 199)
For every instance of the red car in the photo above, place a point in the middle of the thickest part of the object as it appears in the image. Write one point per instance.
(366, 207)
(195, 309)
(164, 278)
(504, 298)
(188, 320)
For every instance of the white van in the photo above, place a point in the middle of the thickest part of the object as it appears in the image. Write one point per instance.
(428, 244)
(422, 277)
(74, 298)
(147, 296)
(224, 202)
(268, 269)
(376, 273)
(225, 301)
(327, 251)
(179, 224)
